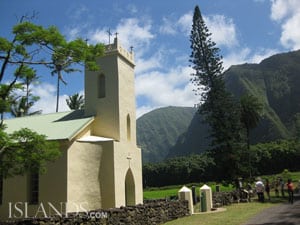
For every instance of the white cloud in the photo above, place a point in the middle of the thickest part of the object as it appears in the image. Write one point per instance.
(290, 36)
(245, 55)
(283, 8)
(98, 35)
(236, 57)
(73, 33)
(47, 102)
(143, 110)
(262, 54)
(134, 31)
(287, 13)
(170, 88)
(222, 29)
(168, 27)
(185, 23)
(131, 31)
(153, 62)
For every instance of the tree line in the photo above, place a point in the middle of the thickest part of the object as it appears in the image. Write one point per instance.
(268, 158)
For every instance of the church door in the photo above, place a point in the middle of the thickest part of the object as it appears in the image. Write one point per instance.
(129, 188)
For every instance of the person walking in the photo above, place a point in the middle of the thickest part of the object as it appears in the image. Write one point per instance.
(281, 182)
(260, 188)
(290, 188)
(267, 188)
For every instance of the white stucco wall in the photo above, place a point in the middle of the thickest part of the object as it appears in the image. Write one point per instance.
(90, 175)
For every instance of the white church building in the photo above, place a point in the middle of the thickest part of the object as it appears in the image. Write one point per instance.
(100, 165)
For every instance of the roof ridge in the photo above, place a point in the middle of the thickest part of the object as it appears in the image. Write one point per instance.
(38, 115)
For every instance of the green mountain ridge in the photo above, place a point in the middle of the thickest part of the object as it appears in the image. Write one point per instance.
(158, 130)
(275, 81)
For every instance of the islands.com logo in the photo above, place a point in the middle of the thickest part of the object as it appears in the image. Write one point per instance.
(20, 210)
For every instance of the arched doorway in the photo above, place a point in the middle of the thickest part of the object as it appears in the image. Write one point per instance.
(129, 188)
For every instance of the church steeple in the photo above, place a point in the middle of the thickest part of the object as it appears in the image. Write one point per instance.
(110, 95)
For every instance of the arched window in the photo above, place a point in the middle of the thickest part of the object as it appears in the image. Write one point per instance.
(128, 128)
(101, 86)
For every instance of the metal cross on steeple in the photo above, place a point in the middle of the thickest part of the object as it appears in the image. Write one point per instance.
(109, 34)
(116, 34)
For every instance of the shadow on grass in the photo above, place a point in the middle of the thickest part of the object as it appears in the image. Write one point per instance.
(277, 200)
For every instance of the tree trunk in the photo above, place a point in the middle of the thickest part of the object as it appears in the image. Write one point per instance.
(57, 89)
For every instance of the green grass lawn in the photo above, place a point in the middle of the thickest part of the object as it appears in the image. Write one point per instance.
(159, 194)
(168, 192)
(235, 214)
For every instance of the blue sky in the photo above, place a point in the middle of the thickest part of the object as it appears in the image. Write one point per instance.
(244, 30)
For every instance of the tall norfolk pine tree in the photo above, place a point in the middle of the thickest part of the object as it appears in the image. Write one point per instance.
(218, 107)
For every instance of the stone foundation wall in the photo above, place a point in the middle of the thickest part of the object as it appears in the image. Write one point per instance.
(152, 212)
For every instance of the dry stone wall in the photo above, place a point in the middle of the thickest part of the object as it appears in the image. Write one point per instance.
(151, 212)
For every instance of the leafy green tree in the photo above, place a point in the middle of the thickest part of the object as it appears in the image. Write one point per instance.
(273, 157)
(217, 106)
(75, 101)
(25, 150)
(178, 170)
(33, 45)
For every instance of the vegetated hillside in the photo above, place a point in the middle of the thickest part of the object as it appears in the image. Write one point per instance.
(158, 130)
(276, 82)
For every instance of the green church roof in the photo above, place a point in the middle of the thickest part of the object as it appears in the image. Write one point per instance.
(56, 126)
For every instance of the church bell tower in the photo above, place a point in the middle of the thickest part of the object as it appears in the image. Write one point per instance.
(110, 94)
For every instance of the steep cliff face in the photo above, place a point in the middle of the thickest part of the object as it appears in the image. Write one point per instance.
(158, 130)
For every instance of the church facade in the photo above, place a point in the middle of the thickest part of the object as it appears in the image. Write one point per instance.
(100, 165)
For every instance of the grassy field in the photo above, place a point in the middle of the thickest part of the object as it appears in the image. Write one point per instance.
(170, 191)
(235, 214)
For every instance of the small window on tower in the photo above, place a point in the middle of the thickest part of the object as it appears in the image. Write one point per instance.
(128, 128)
(101, 86)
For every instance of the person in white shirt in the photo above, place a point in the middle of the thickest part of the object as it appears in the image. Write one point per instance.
(260, 188)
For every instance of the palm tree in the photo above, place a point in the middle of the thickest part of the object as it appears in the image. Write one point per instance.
(251, 113)
(60, 64)
(75, 101)
(20, 107)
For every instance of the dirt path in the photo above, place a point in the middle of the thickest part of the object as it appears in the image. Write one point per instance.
(283, 214)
